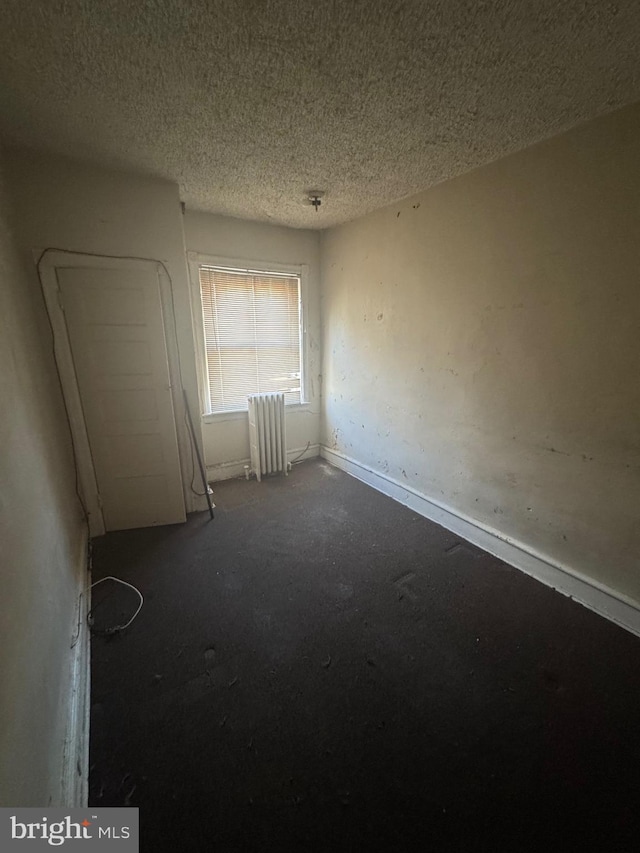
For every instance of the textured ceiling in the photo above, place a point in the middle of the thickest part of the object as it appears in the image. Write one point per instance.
(248, 104)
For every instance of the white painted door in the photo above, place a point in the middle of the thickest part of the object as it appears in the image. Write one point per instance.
(116, 332)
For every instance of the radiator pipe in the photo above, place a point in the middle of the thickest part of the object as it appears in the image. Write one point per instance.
(199, 457)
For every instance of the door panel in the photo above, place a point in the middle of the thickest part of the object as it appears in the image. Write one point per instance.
(116, 331)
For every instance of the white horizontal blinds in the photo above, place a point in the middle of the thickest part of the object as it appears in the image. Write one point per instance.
(252, 335)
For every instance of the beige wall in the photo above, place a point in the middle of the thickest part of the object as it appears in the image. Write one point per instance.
(70, 205)
(43, 557)
(226, 438)
(482, 345)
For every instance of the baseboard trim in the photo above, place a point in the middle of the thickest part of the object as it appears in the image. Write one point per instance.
(603, 600)
(231, 470)
(75, 771)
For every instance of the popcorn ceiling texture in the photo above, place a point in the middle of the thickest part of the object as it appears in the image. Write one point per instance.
(248, 104)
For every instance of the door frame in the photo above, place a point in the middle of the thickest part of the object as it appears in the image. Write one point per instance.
(50, 262)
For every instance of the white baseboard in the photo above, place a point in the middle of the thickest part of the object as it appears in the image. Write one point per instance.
(74, 790)
(603, 600)
(231, 470)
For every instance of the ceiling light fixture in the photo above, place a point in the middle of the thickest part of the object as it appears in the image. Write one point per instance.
(314, 198)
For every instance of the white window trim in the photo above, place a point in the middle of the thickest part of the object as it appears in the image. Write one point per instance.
(197, 260)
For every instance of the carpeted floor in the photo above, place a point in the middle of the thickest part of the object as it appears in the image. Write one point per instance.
(320, 669)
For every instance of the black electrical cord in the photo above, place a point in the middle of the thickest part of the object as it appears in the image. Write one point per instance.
(300, 455)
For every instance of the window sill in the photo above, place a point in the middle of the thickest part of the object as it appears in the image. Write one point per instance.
(241, 414)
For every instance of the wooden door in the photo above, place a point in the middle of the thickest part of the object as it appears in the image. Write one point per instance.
(116, 334)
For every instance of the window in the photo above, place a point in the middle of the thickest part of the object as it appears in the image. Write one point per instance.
(252, 335)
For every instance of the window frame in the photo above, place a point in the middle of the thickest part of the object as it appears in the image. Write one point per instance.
(197, 260)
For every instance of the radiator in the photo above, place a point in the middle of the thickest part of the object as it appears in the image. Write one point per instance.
(267, 434)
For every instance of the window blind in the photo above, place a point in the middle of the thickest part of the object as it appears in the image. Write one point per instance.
(252, 335)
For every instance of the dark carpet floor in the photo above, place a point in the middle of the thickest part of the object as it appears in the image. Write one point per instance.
(320, 669)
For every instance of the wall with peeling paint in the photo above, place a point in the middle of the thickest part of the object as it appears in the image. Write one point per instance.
(226, 437)
(482, 345)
